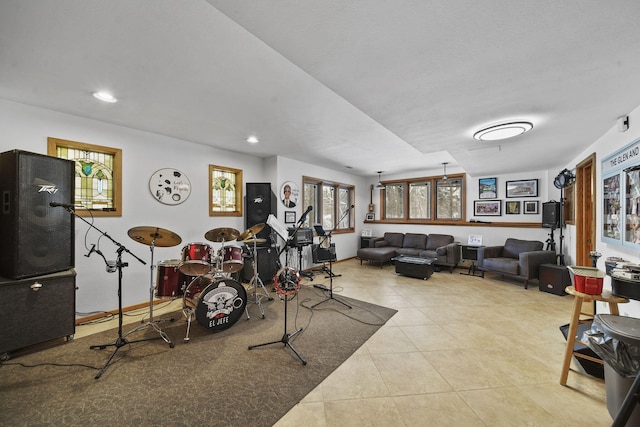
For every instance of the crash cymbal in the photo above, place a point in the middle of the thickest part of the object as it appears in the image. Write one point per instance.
(224, 234)
(154, 236)
(251, 231)
(252, 240)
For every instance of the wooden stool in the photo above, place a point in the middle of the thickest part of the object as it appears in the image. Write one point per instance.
(580, 297)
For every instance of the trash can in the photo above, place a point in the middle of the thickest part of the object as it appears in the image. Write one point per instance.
(616, 339)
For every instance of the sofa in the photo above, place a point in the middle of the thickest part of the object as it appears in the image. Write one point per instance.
(440, 247)
(520, 259)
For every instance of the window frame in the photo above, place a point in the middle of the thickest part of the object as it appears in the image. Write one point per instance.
(316, 214)
(52, 150)
(433, 180)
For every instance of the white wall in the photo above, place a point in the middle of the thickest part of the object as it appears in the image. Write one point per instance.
(609, 143)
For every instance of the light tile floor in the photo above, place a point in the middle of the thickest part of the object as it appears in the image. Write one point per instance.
(461, 351)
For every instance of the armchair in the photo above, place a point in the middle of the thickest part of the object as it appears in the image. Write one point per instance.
(519, 259)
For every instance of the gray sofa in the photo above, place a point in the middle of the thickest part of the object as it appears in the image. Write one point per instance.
(519, 259)
(440, 247)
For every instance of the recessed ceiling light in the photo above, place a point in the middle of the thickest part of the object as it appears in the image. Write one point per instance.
(253, 140)
(503, 131)
(105, 96)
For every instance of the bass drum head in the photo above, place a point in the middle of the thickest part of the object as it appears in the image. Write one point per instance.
(220, 303)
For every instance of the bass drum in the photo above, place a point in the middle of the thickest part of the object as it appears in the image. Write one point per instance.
(218, 302)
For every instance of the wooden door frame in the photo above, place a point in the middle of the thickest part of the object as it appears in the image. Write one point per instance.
(585, 209)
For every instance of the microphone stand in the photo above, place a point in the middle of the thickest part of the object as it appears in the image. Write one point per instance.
(328, 235)
(120, 340)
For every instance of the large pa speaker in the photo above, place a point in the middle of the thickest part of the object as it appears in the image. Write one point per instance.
(267, 265)
(260, 203)
(551, 215)
(36, 238)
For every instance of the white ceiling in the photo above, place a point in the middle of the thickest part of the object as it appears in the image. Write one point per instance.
(366, 84)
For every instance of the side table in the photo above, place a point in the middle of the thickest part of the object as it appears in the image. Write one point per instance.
(470, 253)
(580, 297)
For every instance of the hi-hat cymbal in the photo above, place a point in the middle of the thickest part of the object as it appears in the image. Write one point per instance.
(154, 236)
(251, 231)
(224, 234)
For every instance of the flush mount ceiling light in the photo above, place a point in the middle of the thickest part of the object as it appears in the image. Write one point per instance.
(105, 96)
(379, 185)
(503, 131)
(253, 139)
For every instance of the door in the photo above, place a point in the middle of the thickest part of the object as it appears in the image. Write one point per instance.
(585, 210)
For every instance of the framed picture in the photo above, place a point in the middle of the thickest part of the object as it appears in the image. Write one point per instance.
(522, 188)
(370, 217)
(289, 194)
(487, 207)
(530, 207)
(512, 207)
(290, 217)
(488, 188)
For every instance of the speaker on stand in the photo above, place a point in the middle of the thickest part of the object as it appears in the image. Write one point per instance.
(260, 202)
(37, 238)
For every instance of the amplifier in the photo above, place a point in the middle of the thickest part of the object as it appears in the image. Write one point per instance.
(303, 236)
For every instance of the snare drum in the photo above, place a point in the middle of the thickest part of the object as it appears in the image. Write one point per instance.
(232, 259)
(170, 281)
(196, 259)
(217, 302)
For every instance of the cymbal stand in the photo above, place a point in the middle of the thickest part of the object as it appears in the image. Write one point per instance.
(153, 323)
(286, 337)
(257, 281)
(331, 275)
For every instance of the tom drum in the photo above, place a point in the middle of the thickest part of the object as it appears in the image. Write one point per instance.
(196, 259)
(232, 259)
(170, 281)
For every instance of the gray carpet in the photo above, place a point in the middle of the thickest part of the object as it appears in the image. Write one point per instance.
(213, 380)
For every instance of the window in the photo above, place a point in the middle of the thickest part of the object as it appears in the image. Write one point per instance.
(225, 191)
(331, 202)
(416, 200)
(98, 175)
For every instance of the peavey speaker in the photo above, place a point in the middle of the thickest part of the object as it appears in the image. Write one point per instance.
(37, 238)
(551, 215)
(260, 203)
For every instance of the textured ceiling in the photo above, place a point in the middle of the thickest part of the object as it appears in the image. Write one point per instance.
(366, 84)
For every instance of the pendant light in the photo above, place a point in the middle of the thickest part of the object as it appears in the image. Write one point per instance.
(379, 186)
(444, 171)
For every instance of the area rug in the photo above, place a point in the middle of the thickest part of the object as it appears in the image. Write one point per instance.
(212, 380)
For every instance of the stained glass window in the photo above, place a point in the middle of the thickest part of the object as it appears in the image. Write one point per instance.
(225, 191)
(97, 175)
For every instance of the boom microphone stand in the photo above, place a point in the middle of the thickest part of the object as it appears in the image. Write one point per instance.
(328, 235)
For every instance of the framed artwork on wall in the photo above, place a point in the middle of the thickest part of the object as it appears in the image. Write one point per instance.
(487, 207)
(290, 217)
(169, 186)
(289, 194)
(522, 188)
(488, 188)
(530, 207)
(512, 207)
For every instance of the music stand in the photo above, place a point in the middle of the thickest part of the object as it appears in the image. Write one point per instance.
(321, 232)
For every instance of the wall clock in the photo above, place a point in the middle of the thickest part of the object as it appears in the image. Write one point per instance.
(169, 186)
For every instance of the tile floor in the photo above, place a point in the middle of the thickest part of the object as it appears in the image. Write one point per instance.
(461, 351)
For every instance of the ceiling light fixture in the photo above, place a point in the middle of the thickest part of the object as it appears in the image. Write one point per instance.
(380, 185)
(503, 131)
(253, 139)
(105, 96)
(444, 171)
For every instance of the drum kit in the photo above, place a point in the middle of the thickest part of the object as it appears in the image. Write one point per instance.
(202, 277)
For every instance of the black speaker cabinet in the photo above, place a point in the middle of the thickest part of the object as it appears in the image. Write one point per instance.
(551, 215)
(36, 237)
(36, 310)
(267, 265)
(554, 279)
(260, 202)
(321, 255)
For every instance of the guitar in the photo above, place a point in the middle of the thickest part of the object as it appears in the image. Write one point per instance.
(372, 207)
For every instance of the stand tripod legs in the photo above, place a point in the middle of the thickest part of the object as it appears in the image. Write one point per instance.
(285, 340)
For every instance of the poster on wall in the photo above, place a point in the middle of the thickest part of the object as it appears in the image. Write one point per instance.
(289, 194)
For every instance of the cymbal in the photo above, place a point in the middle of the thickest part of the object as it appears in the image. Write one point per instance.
(224, 234)
(252, 240)
(251, 231)
(154, 236)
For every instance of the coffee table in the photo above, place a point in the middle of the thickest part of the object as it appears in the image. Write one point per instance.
(420, 268)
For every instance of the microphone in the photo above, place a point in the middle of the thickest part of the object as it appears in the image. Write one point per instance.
(64, 205)
(304, 214)
(93, 249)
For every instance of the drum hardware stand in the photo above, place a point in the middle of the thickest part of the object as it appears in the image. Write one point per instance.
(321, 232)
(256, 281)
(306, 274)
(286, 337)
(153, 323)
